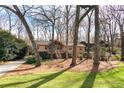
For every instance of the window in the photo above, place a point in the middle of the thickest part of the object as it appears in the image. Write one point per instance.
(81, 49)
(46, 47)
(70, 48)
(38, 46)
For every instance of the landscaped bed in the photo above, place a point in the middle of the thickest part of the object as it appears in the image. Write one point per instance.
(58, 74)
(61, 64)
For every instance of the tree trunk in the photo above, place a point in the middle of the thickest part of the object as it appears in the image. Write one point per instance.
(60, 36)
(122, 42)
(52, 39)
(53, 32)
(23, 20)
(67, 21)
(112, 44)
(75, 41)
(37, 34)
(111, 36)
(97, 47)
(88, 43)
(57, 36)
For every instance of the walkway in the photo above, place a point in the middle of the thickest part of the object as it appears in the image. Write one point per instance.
(4, 68)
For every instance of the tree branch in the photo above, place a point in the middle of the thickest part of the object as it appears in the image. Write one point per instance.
(7, 7)
(90, 8)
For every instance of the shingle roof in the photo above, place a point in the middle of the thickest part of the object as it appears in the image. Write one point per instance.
(46, 43)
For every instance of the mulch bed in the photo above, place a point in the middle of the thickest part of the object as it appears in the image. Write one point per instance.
(60, 64)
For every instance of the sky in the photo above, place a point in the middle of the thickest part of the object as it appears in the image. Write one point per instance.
(4, 23)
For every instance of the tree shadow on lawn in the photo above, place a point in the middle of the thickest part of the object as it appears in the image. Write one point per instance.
(47, 79)
(112, 80)
(19, 70)
(90, 79)
(51, 77)
(44, 80)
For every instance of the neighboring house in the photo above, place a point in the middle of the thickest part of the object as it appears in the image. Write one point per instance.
(80, 49)
(91, 45)
(58, 48)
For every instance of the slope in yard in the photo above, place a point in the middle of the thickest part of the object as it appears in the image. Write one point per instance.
(60, 64)
(66, 77)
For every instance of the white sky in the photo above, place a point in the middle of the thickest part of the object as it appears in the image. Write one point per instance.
(82, 34)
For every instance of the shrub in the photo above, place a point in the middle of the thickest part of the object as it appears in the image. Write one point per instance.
(81, 57)
(116, 57)
(64, 55)
(11, 47)
(85, 55)
(30, 60)
(103, 52)
(117, 50)
(44, 55)
(1, 54)
(22, 52)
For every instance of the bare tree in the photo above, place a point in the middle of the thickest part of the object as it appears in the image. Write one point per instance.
(68, 17)
(76, 27)
(17, 11)
(89, 16)
(109, 28)
(78, 19)
(9, 18)
(117, 13)
(47, 15)
(60, 27)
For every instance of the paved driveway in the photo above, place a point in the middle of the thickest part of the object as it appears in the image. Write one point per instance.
(4, 68)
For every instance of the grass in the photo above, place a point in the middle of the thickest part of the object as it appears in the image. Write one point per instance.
(110, 79)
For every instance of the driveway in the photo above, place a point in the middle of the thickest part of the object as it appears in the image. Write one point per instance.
(4, 68)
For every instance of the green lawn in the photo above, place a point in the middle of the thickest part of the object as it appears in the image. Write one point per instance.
(64, 79)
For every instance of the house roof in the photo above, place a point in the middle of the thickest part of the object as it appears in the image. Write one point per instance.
(42, 43)
(71, 44)
(64, 44)
(57, 42)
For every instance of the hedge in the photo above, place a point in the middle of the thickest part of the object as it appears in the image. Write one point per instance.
(10, 47)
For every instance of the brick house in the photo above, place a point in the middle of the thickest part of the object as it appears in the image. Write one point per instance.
(60, 48)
